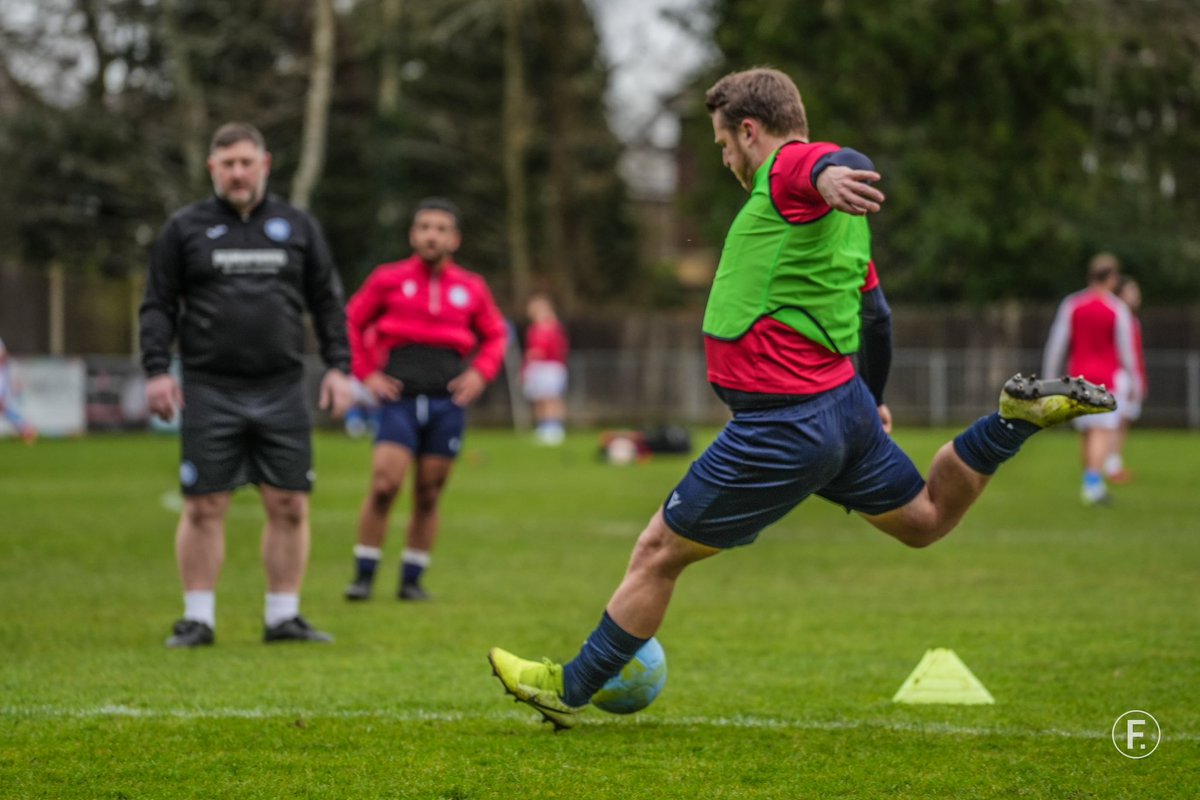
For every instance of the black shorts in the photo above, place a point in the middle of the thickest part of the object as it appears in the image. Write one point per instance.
(232, 437)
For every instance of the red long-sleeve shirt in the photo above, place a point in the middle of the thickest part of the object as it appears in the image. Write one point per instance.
(407, 303)
(546, 341)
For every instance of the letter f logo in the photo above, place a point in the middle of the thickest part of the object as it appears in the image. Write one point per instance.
(1132, 731)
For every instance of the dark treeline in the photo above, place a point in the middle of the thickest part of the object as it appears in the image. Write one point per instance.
(497, 105)
(1016, 136)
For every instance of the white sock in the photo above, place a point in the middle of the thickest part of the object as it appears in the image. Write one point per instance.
(201, 607)
(363, 551)
(421, 558)
(281, 607)
(1113, 464)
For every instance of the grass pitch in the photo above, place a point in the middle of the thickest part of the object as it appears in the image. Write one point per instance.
(783, 656)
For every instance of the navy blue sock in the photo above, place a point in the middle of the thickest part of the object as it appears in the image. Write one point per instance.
(366, 567)
(606, 651)
(411, 573)
(991, 441)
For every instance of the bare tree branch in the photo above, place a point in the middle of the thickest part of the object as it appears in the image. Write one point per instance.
(193, 111)
(104, 57)
(389, 61)
(516, 138)
(316, 108)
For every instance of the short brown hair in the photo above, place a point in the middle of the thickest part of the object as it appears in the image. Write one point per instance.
(764, 94)
(1102, 267)
(233, 132)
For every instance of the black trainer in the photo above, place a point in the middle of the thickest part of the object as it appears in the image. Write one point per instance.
(359, 590)
(413, 591)
(295, 629)
(190, 633)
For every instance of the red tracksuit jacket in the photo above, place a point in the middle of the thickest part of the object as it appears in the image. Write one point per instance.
(405, 302)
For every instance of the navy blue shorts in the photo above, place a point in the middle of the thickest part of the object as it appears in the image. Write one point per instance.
(766, 462)
(425, 425)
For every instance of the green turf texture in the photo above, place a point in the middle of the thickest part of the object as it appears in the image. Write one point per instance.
(783, 656)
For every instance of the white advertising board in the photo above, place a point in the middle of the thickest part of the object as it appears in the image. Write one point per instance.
(49, 393)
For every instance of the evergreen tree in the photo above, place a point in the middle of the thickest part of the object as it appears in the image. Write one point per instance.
(1015, 138)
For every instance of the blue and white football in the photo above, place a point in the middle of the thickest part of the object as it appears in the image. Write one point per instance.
(638, 683)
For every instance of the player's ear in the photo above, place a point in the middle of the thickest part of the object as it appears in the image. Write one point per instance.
(266, 161)
(748, 130)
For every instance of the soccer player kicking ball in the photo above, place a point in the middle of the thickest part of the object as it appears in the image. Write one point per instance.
(781, 323)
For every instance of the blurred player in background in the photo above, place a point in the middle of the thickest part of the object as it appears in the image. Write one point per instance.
(1093, 331)
(544, 373)
(784, 317)
(1135, 387)
(231, 277)
(429, 316)
(8, 399)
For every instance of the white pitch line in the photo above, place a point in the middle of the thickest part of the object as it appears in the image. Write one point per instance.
(171, 500)
(421, 715)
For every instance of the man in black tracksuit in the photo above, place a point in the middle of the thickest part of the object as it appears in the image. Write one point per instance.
(230, 278)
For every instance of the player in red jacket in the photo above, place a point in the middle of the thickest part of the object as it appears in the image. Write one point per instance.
(438, 340)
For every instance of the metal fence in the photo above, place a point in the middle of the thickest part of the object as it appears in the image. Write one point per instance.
(926, 386)
(630, 387)
(940, 387)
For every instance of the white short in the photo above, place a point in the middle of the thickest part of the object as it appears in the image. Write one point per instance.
(545, 380)
(1123, 390)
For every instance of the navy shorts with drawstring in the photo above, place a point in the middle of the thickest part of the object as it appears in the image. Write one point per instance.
(765, 462)
(424, 424)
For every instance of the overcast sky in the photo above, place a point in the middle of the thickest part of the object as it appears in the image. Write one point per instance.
(650, 57)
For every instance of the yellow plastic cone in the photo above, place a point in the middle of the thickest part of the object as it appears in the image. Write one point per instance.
(942, 677)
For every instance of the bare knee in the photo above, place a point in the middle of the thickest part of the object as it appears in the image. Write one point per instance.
(662, 553)
(426, 494)
(916, 525)
(289, 509)
(383, 492)
(920, 538)
(205, 512)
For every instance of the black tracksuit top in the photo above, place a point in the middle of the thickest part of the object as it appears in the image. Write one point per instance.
(234, 292)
